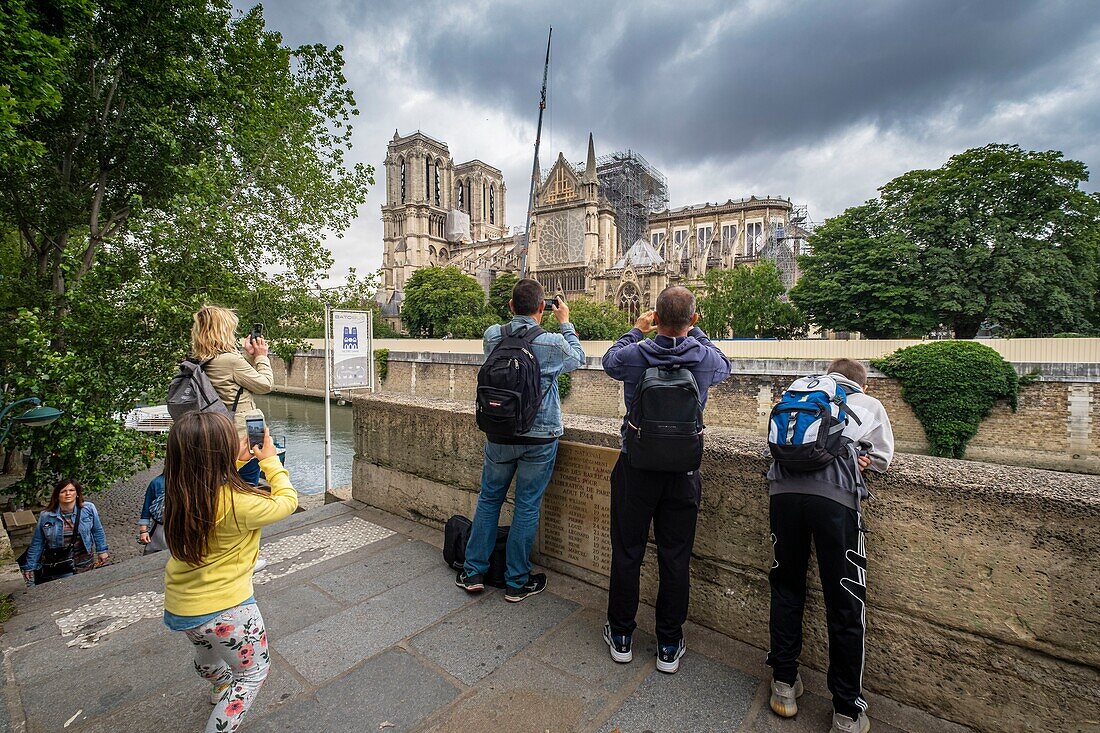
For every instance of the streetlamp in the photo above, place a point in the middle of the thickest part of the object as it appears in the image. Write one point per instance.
(36, 416)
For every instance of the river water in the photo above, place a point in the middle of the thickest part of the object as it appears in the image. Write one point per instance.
(302, 422)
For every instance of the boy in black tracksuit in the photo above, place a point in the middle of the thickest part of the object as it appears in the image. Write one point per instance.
(824, 506)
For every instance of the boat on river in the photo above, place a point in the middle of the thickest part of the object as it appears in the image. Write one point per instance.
(157, 419)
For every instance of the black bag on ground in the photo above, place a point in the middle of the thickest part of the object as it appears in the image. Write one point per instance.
(456, 533)
(508, 385)
(664, 429)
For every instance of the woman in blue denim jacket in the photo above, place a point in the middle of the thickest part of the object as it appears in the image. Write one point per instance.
(55, 529)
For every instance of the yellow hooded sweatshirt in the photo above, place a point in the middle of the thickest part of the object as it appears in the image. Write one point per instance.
(224, 579)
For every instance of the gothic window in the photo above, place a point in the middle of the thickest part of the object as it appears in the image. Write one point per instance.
(561, 237)
(657, 239)
(630, 301)
(469, 198)
(729, 238)
(443, 254)
(461, 196)
(402, 180)
(438, 163)
(754, 232)
(484, 199)
(679, 241)
(702, 239)
(561, 187)
(492, 203)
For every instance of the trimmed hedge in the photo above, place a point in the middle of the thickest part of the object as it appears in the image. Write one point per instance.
(951, 386)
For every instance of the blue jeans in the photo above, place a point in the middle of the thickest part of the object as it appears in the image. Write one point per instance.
(250, 472)
(532, 466)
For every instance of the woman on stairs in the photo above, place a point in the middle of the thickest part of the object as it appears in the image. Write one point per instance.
(212, 522)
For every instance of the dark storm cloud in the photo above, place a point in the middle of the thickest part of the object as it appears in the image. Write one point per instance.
(821, 100)
(709, 81)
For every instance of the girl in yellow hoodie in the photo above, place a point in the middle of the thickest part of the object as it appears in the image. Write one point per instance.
(212, 522)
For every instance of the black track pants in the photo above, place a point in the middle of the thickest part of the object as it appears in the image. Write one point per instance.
(837, 535)
(671, 502)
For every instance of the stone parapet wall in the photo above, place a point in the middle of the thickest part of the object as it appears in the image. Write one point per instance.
(1057, 424)
(983, 601)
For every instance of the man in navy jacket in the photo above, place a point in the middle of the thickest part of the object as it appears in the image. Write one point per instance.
(669, 500)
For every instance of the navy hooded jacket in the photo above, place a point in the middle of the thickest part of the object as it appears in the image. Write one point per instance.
(630, 356)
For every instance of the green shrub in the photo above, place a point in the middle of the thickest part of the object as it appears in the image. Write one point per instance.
(951, 386)
(565, 385)
(381, 364)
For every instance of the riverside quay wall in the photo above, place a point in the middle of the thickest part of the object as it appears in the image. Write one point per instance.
(1056, 426)
(983, 600)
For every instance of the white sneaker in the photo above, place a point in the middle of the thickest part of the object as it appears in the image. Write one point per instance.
(261, 563)
(844, 724)
(784, 699)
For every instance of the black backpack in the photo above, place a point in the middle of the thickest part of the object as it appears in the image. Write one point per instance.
(664, 430)
(191, 390)
(508, 385)
(456, 533)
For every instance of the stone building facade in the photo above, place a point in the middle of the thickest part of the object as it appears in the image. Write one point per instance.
(438, 214)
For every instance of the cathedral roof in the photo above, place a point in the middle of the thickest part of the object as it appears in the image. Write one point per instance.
(392, 307)
(640, 254)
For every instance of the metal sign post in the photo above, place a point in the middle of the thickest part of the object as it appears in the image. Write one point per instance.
(328, 405)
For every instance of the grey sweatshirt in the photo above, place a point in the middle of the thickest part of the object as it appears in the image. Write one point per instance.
(842, 481)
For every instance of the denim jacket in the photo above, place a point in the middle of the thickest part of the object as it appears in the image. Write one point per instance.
(154, 491)
(50, 532)
(557, 353)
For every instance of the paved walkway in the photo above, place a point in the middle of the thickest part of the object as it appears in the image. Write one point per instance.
(369, 633)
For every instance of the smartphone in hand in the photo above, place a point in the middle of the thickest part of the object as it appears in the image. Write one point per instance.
(255, 427)
(256, 332)
(550, 303)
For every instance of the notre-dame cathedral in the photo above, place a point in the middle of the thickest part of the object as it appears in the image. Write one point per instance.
(602, 229)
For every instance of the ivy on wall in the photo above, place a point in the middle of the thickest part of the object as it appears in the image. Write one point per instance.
(565, 385)
(381, 364)
(952, 386)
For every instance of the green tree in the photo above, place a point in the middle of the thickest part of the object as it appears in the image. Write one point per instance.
(500, 292)
(747, 301)
(864, 277)
(471, 327)
(997, 236)
(189, 154)
(436, 295)
(594, 320)
(35, 38)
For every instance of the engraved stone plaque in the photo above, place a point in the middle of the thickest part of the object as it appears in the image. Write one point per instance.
(576, 509)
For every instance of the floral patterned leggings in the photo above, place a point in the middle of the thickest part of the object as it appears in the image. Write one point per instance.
(231, 653)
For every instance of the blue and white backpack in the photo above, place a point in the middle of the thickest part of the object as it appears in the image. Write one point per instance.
(806, 429)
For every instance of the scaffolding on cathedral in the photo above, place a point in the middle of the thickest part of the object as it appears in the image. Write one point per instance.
(783, 245)
(635, 189)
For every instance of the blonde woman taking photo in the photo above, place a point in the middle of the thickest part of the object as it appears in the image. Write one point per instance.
(235, 376)
(212, 522)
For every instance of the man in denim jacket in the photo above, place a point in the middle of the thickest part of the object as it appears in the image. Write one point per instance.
(529, 456)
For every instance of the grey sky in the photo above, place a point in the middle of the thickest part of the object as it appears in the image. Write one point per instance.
(819, 101)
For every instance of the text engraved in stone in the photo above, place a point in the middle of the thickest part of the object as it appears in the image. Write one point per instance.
(576, 523)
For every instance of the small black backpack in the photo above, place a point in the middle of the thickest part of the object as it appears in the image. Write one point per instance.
(664, 429)
(191, 390)
(508, 385)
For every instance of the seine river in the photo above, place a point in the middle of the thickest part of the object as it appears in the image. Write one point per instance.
(302, 422)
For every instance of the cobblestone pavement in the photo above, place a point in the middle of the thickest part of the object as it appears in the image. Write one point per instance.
(369, 633)
(119, 510)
